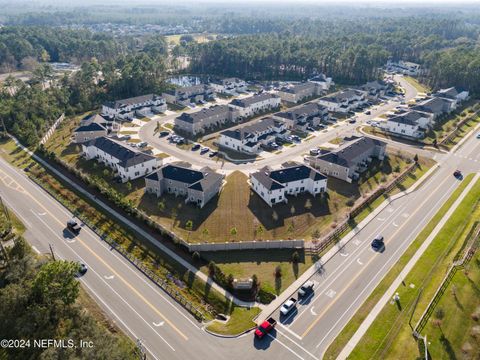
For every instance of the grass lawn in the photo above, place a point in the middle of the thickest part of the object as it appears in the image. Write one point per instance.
(241, 319)
(162, 155)
(390, 337)
(417, 85)
(457, 336)
(200, 38)
(243, 264)
(128, 132)
(336, 141)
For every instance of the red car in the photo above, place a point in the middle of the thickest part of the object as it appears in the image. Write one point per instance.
(265, 327)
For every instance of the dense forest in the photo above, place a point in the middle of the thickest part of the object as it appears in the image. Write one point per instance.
(39, 299)
(281, 42)
(27, 110)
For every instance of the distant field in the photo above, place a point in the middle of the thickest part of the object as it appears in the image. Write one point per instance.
(417, 85)
(200, 38)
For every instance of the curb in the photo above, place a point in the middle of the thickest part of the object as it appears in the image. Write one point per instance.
(227, 336)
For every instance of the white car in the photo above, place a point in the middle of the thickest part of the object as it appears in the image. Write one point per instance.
(288, 306)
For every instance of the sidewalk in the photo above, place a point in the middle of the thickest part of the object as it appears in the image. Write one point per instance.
(285, 295)
(142, 232)
(397, 282)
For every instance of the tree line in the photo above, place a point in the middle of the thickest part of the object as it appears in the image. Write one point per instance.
(40, 299)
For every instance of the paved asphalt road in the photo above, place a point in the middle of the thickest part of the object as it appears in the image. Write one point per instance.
(168, 332)
(146, 133)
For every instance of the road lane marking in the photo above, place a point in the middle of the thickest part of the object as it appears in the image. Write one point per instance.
(356, 242)
(63, 210)
(115, 315)
(131, 287)
(331, 293)
(108, 285)
(345, 254)
(160, 323)
(110, 277)
(359, 262)
(393, 223)
(312, 311)
(289, 331)
(310, 327)
(345, 265)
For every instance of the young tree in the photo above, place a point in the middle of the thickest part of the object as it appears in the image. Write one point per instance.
(189, 225)
(56, 282)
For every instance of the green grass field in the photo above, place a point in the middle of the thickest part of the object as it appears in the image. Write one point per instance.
(241, 319)
(389, 337)
(352, 326)
(417, 85)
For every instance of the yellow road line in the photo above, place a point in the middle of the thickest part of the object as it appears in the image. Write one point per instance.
(310, 327)
(113, 271)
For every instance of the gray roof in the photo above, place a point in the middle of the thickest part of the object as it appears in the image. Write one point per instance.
(408, 118)
(246, 102)
(298, 87)
(203, 114)
(434, 105)
(275, 179)
(250, 130)
(90, 127)
(450, 93)
(343, 95)
(346, 153)
(126, 155)
(305, 110)
(189, 90)
(132, 101)
(375, 85)
(232, 80)
(195, 179)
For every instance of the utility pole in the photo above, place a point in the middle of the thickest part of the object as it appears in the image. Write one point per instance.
(51, 251)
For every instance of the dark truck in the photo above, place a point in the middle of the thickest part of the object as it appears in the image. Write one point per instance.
(265, 327)
(73, 226)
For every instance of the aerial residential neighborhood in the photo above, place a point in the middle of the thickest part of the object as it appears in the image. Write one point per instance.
(239, 180)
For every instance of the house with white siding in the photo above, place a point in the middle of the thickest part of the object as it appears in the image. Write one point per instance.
(322, 81)
(344, 101)
(200, 121)
(189, 94)
(126, 162)
(302, 116)
(197, 186)
(255, 104)
(229, 86)
(249, 138)
(411, 124)
(273, 186)
(126, 109)
(349, 160)
(403, 67)
(298, 92)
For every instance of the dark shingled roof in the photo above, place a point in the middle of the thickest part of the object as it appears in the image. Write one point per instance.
(246, 102)
(345, 154)
(249, 130)
(298, 87)
(274, 179)
(197, 180)
(91, 127)
(408, 118)
(198, 116)
(127, 156)
(132, 101)
(304, 110)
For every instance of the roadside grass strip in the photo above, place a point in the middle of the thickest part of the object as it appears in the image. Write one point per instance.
(387, 319)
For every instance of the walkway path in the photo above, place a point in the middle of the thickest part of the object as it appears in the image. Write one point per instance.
(398, 281)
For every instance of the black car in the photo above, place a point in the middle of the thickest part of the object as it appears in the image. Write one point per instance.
(352, 121)
(378, 244)
(195, 147)
(213, 153)
(164, 133)
(82, 269)
(458, 174)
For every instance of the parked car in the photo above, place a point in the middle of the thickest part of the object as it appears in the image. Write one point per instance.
(126, 137)
(296, 138)
(306, 289)
(368, 112)
(203, 102)
(195, 147)
(204, 150)
(288, 306)
(478, 136)
(378, 244)
(309, 128)
(352, 121)
(164, 133)
(142, 144)
(273, 145)
(212, 154)
(314, 151)
(73, 226)
(82, 269)
(265, 327)
(458, 174)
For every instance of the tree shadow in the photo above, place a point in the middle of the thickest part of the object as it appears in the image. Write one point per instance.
(278, 284)
(295, 269)
(448, 347)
